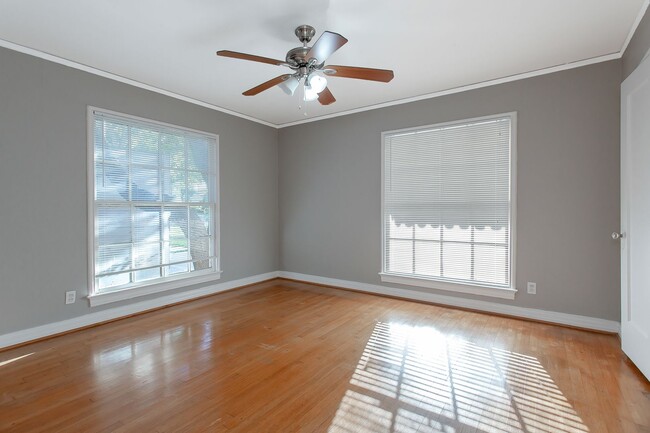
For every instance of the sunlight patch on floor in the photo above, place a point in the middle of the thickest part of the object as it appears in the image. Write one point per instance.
(413, 379)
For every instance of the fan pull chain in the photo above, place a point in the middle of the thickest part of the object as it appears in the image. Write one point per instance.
(302, 99)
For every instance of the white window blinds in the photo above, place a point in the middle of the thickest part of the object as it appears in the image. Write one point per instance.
(447, 202)
(155, 198)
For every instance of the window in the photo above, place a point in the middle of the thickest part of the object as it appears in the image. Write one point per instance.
(154, 215)
(448, 201)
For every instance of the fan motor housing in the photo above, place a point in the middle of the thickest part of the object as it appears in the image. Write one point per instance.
(298, 56)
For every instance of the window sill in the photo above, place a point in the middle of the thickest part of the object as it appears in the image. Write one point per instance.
(494, 292)
(124, 294)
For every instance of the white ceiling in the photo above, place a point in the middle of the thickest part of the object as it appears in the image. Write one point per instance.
(432, 45)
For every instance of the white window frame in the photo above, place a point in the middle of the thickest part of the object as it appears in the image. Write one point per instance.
(161, 284)
(439, 284)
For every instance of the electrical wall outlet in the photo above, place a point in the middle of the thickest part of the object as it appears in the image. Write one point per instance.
(532, 288)
(70, 297)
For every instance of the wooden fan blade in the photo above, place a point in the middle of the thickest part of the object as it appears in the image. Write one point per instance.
(325, 46)
(383, 75)
(251, 57)
(266, 85)
(325, 97)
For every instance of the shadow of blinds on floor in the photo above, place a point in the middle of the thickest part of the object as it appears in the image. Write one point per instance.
(414, 379)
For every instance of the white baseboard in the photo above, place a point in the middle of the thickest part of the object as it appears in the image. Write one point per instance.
(38, 332)
(490, 307)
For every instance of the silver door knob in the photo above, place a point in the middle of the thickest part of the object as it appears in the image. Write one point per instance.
(617, 236)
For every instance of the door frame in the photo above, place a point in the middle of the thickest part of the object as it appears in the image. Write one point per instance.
(639, 77)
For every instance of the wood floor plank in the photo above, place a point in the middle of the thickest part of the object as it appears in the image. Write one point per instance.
(286, 357)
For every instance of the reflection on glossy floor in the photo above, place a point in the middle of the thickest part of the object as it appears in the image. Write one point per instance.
(291, 357)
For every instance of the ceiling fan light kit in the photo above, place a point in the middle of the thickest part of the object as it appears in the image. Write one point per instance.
(308, 63)
(314, 84)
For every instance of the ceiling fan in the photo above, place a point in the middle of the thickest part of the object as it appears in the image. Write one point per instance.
(308, 64)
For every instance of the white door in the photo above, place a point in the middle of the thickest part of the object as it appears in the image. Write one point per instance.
(635, 217)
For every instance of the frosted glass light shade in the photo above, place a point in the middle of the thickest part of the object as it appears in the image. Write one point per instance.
(310, 94)
(317, 83)
(289, 86)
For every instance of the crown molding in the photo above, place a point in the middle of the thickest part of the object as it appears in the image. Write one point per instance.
(452, 90)
(635, 25)
(82, 67)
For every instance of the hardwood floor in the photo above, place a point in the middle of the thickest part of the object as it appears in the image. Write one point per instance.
(291, 357)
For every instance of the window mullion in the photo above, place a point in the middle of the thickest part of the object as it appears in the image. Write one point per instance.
(413, 249)
(129, 167)
(472, 256)
(508, 271)
(163, 245)
(133, 249)
(442, 249)
(161, 219)
(103, 158)
(189, 233)
(130, 197)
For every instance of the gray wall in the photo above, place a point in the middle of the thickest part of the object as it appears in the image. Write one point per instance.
(43, 240)
(567, 189)
(638, 46)
(328, 176)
